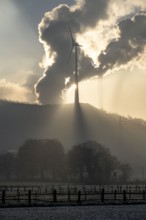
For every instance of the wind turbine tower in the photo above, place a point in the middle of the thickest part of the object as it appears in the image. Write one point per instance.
(75, 46)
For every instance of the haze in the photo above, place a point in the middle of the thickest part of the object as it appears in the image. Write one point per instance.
(34, 63)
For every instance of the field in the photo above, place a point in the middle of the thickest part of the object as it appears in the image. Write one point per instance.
(120, 212)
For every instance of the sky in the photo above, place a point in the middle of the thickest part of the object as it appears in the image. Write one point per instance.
(35, 47)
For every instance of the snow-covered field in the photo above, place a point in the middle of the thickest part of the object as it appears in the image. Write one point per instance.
(124, 212)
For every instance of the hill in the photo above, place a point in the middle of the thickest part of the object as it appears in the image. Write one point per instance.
(124, 136)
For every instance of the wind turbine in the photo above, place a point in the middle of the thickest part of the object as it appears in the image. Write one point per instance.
(75, 46)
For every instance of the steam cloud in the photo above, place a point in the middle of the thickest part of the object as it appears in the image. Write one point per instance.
(129, 46)
(55, 37)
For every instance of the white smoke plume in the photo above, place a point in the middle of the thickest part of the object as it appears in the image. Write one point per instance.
(84, 17)
(55, 37)
(128, 47)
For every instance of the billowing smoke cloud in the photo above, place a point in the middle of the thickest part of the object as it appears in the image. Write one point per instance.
(55, 37)
(84, 16)
(128, 47)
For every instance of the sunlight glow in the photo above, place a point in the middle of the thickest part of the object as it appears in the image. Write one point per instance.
(94, 41)
(123, 92)
(69, 94)
(67, 80)
(49, 57)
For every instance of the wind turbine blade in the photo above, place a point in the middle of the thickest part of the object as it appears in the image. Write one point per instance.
(73, 41)
(69, 57)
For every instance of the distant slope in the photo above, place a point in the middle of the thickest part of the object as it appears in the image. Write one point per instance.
(126, 137)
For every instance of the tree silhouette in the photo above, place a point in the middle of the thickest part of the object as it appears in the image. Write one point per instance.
(41, 158)
(8, 166)
(88, 162)
(91, 162)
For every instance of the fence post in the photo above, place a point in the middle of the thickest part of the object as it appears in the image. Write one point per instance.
(29, 196)
(18, 194)
(85, 195)
(115, 194)
(68, 195)
(124, 195)
(79, 196)
(54, 195)
(102, 195)
(3, 196)
(143, 194)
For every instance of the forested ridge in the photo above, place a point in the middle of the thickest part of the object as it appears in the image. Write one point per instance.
(125, 137)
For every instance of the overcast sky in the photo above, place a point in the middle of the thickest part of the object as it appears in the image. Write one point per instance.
(35, 46)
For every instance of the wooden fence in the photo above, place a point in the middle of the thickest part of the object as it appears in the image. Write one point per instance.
(55, 195)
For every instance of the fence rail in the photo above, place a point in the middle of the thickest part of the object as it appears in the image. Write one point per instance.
(47, 195)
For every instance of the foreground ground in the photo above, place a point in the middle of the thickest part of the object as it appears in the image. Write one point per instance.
(124, 212)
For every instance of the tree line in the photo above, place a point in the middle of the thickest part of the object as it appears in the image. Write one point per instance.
(46, 160)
